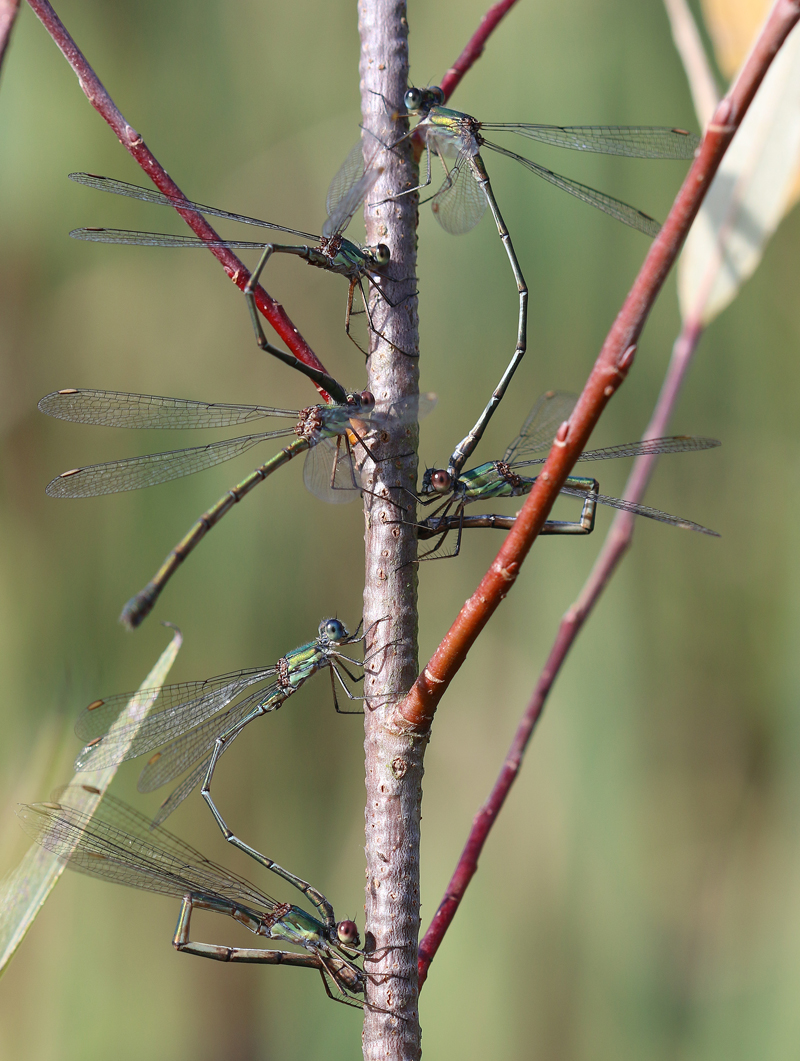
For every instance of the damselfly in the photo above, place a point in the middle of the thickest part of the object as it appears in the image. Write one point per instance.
(497, 479)
(119, 844)
(193, 723)
(327, 432)
(330, 251)
(460, 202)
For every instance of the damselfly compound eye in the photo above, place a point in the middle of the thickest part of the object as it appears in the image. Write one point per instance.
(347, 932)
(335, 630)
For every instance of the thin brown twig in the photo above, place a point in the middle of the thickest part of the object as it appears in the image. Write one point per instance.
(416, 711)
(8, 16)
(614, 548)
(133, 143)
(474, 48)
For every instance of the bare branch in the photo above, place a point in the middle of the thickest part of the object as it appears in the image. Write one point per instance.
(475, 46)
(614, 548)
(134, 144)
(615, 359)
(393, 758)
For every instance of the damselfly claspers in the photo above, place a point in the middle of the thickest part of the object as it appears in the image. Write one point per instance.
(330, 251)
(193, 725)
(497, 479)
(460, 202)
(327, 432)
(118, 844)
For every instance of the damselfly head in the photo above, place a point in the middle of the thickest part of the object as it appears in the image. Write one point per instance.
(363, 401)
(347, 933)
(380, 254)
(332, 630)
(436, 481)
(420, 100)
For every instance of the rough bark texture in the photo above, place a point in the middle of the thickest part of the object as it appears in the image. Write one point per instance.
(393, 758)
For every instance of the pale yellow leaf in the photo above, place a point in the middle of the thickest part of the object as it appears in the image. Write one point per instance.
(748, 196)
(24, 891)
(732, 26)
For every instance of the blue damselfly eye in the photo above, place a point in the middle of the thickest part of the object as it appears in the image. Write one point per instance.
(334, 630)
(412, 99)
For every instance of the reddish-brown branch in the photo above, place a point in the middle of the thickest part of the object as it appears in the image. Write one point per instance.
(614, 548)
(416, 711)
(133, 143)
(8, 16)
(475, 46)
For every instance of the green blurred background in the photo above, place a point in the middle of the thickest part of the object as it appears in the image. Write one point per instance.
(639, 896)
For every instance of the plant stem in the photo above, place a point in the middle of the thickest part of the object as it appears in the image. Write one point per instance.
(474, 47)
(393, 757)
(612, 365)
(134, 144)
(614, 548)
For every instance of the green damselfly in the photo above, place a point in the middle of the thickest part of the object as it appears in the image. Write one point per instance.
(120, 845)
(498, 479)
(193, 723)
(330, 251)
(326, 432)
(460, 202)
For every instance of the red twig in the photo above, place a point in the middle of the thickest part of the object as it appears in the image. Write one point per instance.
(616, 544)
(133, 143)
(475, 46)
(8, 16)
(416, 711)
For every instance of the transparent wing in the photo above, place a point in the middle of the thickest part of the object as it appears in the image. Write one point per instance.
(406, 411)
(184, 789)
(549, 412)
(633, 141)
(150, 195)
(158, 239)
(347, 190)
(346, 178)
(118, 409)
(460, 203)
(177, 756)
(628, 215)
(642, 510)
(329, 472)
(649, 447)
(117, 844)
(134, 473)
(180, 708)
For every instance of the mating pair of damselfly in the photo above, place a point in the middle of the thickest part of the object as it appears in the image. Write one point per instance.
(116, 843)
(193, 724)
(458, 206)
(328, 433)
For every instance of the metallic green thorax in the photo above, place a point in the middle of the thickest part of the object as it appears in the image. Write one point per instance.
(497, 479)
(297, 666)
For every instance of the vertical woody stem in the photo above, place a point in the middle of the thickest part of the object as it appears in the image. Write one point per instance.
(393, 758)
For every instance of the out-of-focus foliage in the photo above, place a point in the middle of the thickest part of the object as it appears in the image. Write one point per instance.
(639, 895)
(757, 182)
